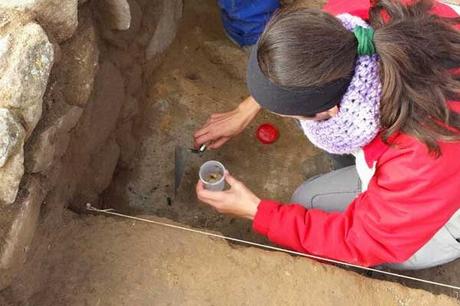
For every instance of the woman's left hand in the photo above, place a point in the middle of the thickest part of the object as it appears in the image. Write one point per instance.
(238, 200)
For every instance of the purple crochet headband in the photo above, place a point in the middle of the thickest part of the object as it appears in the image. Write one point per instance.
(357, 122)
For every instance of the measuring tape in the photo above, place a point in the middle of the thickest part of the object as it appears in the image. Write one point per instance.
(113, 213)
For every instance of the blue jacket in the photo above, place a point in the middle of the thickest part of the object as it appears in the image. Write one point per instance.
(244, 20)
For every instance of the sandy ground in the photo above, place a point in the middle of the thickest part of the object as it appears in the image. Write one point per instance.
(109, 261)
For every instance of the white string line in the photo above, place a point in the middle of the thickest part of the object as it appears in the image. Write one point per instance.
(111, 212)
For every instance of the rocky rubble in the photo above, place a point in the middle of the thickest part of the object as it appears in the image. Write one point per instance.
(71, 74)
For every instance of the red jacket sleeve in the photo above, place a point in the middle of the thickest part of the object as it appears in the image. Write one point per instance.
(411, 196)
(360, 8)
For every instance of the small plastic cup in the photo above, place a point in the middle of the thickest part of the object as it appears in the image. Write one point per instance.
(212, 174)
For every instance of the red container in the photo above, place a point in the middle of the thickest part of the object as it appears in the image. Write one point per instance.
(267, 133)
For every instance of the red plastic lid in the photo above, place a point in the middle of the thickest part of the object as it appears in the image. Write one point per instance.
(267, 133)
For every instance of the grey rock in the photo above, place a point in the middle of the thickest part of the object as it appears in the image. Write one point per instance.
(58, 17)
(166, 29)
(11, 135)
(127, 38)
(51, 143)
(99, 173)
(20, 5)
(115, 13)
(78, 67)
(20, 231)
(101, 114)
(26, 57)
(10, 177)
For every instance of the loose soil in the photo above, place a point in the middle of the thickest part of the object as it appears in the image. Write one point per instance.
(110, 261)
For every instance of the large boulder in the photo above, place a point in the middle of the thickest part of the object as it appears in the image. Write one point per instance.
(115, 13)
(18, 229)
(58, 17)
(52, 142)
(77, 69)
(101, 114)
(11, 156)
(21, 5)
(99, 173)
(26, 57)
(11, 135)
(166, 29)
(10, 177)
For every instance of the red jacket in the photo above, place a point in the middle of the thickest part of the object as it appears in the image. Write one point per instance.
(409, 198)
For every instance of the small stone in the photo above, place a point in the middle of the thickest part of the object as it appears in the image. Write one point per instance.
(115, 13)
(24, 70)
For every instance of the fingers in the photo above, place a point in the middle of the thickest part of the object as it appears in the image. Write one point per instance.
(214, 118)
(210, 197)
(211, 133)
(218, 115)
(231, 180)
(204, 139)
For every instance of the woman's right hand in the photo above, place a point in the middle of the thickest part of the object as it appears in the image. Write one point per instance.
(221, 127)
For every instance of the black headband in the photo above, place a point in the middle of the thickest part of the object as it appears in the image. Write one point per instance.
(306, 101)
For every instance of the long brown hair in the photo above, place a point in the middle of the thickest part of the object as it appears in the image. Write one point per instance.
(302, 47)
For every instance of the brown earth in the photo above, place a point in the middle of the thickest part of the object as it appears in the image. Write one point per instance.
(108, 261)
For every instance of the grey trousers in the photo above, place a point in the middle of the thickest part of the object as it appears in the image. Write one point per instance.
(333, 191)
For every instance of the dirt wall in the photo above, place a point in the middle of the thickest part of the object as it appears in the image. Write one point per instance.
(71, 80)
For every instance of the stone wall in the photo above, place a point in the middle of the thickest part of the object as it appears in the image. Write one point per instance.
(71, 76)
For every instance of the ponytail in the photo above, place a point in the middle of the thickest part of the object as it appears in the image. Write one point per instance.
(416, 50)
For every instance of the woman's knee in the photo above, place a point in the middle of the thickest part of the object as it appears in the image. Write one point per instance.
(332, 191)
(305, 193)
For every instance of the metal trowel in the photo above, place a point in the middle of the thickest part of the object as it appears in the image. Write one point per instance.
(181, 156)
